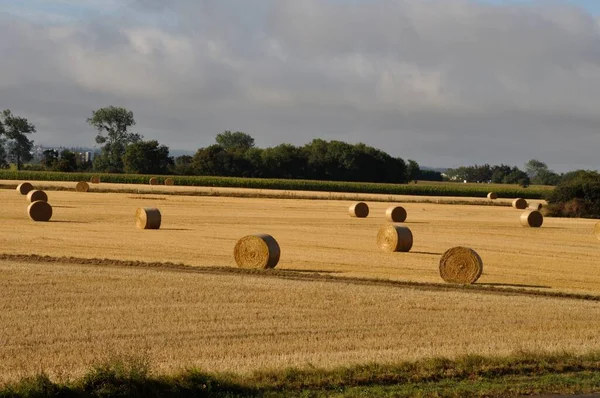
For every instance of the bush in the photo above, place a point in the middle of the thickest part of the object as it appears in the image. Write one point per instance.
(576, 197)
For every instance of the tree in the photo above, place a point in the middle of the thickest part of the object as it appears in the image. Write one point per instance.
(147, 157)
(412, 170)
(232, 141)
(3, 162)
(67, 161)
(183, 165)
(50, 157)
(15, 129)
(115, 122)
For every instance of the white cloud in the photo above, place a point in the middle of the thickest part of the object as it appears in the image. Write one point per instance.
(444, 82)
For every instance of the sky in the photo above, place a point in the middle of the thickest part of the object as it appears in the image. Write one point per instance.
(444, 82)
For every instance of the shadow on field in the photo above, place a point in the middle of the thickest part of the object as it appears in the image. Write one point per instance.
(428, 253)
(70, 222)
(65, 207)
(315, 271)
(415, 222)
(176, 229)
(515, 285)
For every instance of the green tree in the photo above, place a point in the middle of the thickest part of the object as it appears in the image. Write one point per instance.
(183, 165)
(15, 129)
(147, 157)
(115, 122)
(412, 170)
(67, 161)
(3, 162)
(235, 141)
(50, 157)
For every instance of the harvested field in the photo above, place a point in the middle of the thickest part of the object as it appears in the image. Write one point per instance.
(315, 236)
(61, 318)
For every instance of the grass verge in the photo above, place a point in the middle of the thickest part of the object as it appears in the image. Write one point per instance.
(517, 375)
(421, 189)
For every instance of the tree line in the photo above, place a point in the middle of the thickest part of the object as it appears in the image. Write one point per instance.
(536, 172)
(235, 154)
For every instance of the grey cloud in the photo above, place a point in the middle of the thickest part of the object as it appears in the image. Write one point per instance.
(445, 82)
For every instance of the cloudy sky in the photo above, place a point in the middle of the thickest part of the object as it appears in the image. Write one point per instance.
(443, 82)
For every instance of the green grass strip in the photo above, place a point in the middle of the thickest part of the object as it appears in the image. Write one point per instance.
(516, 375)
(421, 189)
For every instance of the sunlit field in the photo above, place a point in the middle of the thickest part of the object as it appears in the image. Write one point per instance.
(61, 317)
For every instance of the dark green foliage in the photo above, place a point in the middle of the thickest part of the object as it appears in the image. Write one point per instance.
(18, 146)
(235, 141)
(67, 162)
(577, 196)
(430, 175)
(147, 157)
(183, 165)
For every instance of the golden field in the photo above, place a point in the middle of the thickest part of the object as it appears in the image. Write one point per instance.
(314, 235)
(62, 318)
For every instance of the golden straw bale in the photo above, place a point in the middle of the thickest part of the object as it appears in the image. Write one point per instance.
(519, 203)
(394, 238)
(360, 210)
(169, 181)
(597, 230)
(492, 195)
(148, 218)
(35, 195)
(153, 181)
(82, 186)
(395, 214)
(40, 211)
(461, 265)
(532, 218)
(95, 180)
(535, 206)
(257, 251)
(24, 188)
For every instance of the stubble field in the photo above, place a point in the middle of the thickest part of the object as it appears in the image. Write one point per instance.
(62, 317)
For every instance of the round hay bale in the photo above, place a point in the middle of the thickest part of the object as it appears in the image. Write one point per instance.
(360, 210)
(597, 230)
(257, 251)
(95, 180)
(460, 265)
(394, 238)
(148, 218)
(532, 218)
(153, 181)
(395, 214)
(535, 206)
(40, 211)
(35, 195)
(169, 181)
(24, 188)
(519, 203)
(82, 186)
(492, 195)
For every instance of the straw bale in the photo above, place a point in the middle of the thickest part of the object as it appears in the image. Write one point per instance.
(35, 195)
(359, 210)
(532, 218)
(395, 214)
(40, 211)
(461, 265)
(24, 188)
(394, 238)
(257, 251)
(148, 218)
